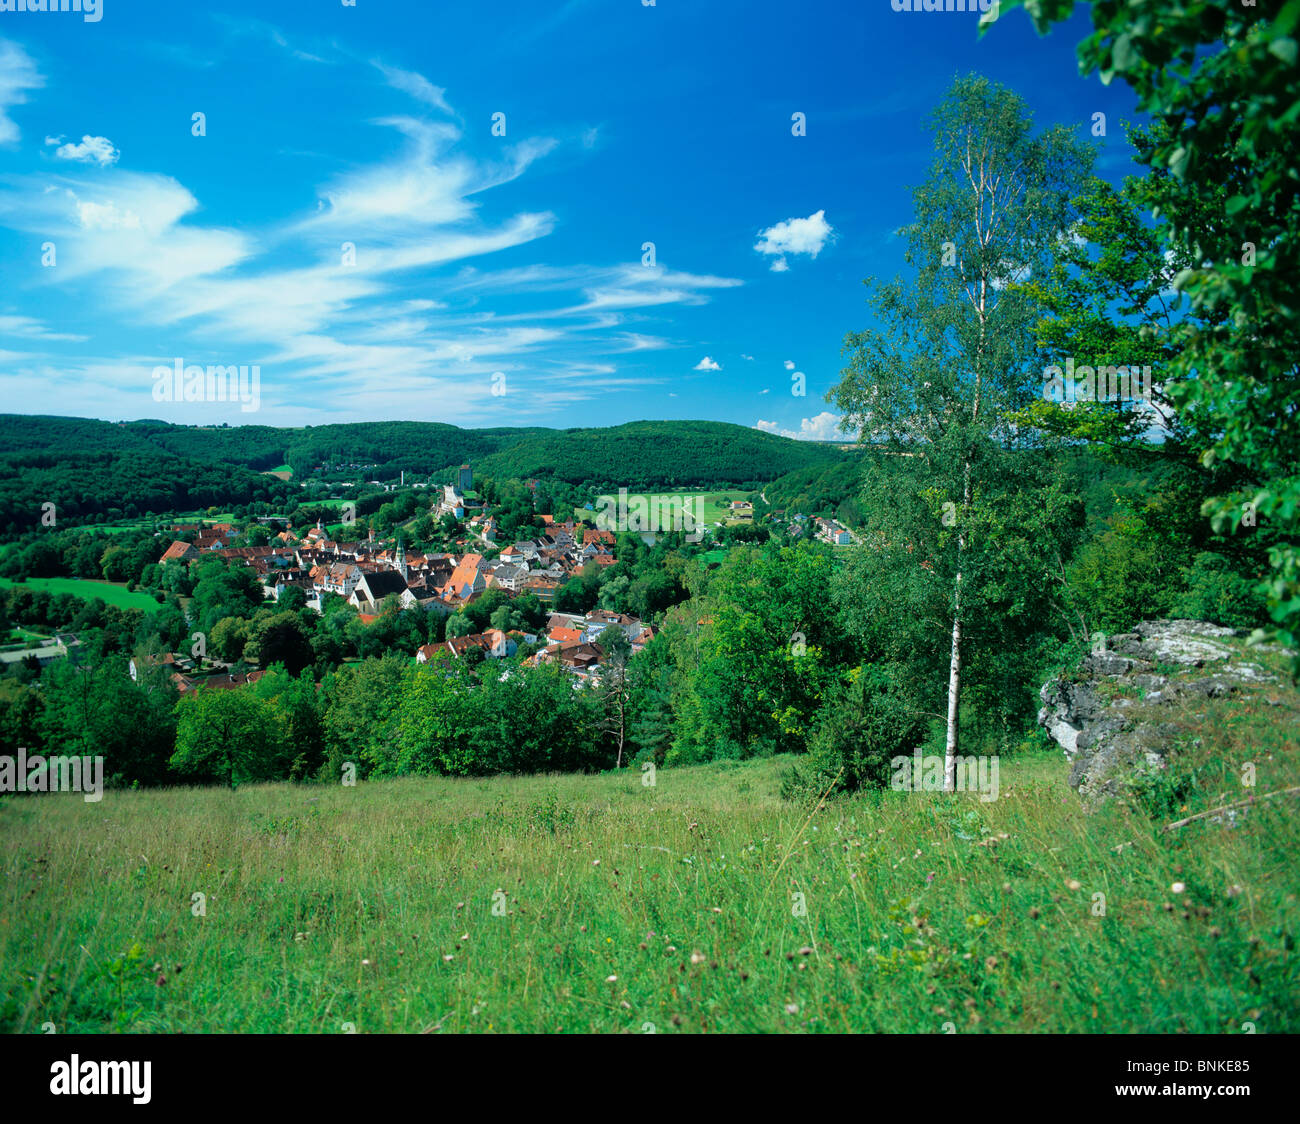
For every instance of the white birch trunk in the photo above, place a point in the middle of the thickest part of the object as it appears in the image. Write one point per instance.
(954, 698)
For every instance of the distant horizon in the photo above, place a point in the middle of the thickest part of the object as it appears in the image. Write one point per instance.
(4, 416)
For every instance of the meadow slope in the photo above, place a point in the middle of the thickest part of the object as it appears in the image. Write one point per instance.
(597, 903)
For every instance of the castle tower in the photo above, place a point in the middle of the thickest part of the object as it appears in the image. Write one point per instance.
(465, 481)
(400, 564)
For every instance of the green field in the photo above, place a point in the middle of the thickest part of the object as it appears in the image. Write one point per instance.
(594, 903)
(121, 526)
(711, 507)
(112, 593)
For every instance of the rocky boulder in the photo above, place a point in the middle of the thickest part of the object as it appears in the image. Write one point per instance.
(1111, 716)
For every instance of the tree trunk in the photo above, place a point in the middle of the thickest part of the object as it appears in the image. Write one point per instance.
(954, 698)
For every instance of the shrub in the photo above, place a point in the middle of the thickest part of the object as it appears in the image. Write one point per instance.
(1217, 593)
(863, 725)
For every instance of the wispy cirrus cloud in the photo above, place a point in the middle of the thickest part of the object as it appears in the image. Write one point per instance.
(417, 85)
(18, 74)
(350, 308)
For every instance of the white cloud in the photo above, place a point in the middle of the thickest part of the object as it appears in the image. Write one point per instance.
(707, 364)
(638, 286)
(25, 327)
(260, 29)
(744, 356)
(417, 85)
(789, 364)
(91, 150)
(765, 391)
(335, 338)
(635, 341)
(17, 73)
(823, 427)
(794, 236)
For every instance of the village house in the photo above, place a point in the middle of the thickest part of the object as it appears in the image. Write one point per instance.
(495, 644)
(224, 682)
(466, 579)
(179, 552)
(832, 531)
(372, 587)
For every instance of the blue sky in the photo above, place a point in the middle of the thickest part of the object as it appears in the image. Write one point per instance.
(482, 263)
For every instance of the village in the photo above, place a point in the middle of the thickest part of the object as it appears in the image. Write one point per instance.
(368, 572)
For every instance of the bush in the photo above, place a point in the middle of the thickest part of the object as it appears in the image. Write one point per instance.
(864, 724)
(1216, 593)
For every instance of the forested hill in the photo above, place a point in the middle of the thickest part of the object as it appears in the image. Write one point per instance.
(649, 454)
(86, 467)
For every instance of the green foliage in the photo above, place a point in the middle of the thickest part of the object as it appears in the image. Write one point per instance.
(359, 716)
(1220, 80)
(648, 455)
(866, 722)
(92, 469)
(755, 656)
(225, 736)
(1218, 593)
(98, 710)
(525, 719)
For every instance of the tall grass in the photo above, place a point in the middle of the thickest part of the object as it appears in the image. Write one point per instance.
(703, 903)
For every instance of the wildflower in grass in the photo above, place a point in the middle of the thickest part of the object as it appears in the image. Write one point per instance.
(1177, 888)
(697, 957)
(1073, 884)
(929, 877)
(792, 1008)
(611, 979)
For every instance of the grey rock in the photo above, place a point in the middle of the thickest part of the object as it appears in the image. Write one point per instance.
(1106, 715)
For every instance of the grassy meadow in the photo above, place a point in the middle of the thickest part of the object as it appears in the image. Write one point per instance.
(597, 903)
(709, 507)
(111, 593)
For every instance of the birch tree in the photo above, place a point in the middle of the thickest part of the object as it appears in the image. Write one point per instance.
(952, 355)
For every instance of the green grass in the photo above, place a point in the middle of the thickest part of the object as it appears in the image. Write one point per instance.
(112, 593)
(373, 906)
(711, 508)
